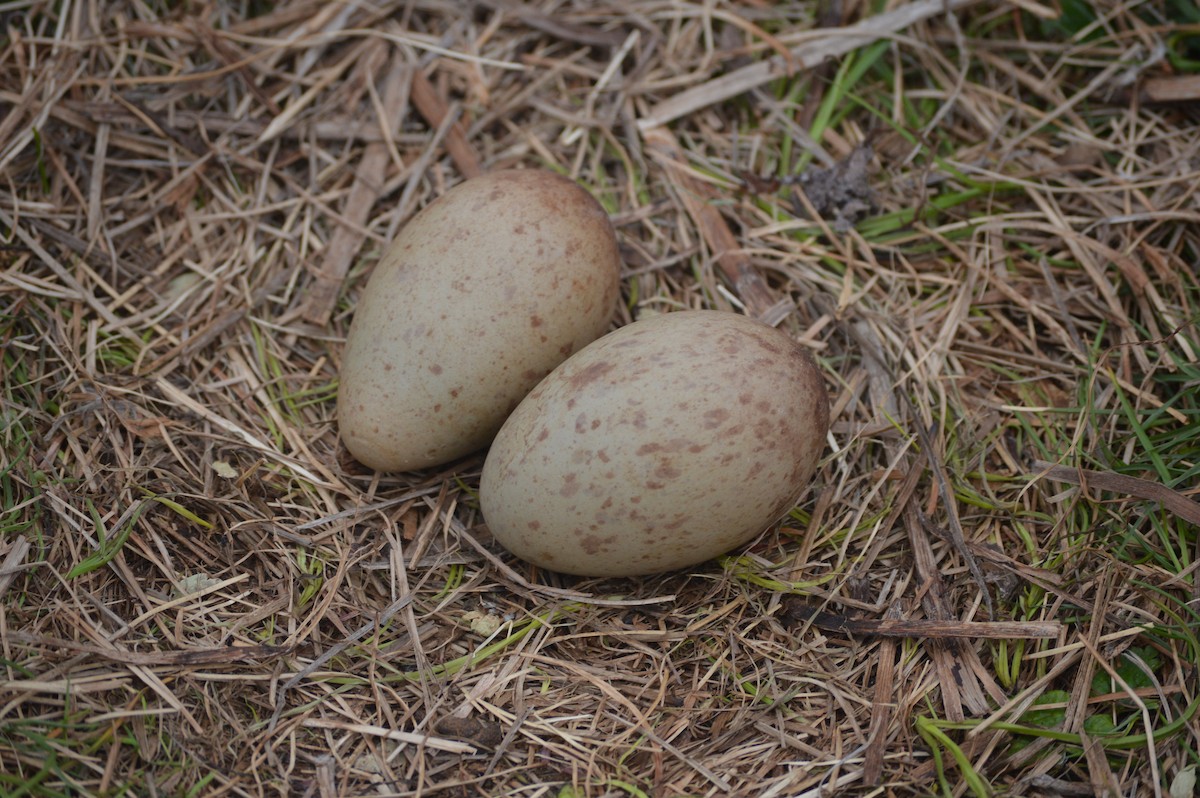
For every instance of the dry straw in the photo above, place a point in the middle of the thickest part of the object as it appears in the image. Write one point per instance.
(991, 588)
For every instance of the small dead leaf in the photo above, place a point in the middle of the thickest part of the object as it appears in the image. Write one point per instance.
(842, 193)
(409, 523)
(180, 285)
(1080, 155)
(183, 192)
(369, 763)
(482, 623)
(481, 732)
(224, 469)
(147, 428)
(1184, 783)
(194, 583)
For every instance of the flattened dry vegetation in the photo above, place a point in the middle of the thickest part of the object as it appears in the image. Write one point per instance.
(980, 216)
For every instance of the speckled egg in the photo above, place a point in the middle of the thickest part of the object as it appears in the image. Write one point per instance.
(659, 446)
(477, 299)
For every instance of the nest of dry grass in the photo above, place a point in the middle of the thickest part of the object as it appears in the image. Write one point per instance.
(981, 217)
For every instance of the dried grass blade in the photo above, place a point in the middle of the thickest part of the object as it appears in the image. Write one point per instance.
(827, 43)
(188, 657)
(14, 562)
(64, 274)
(179, 397)
(367, 185)
(959, 678)
(749, 285)
(954, 529)
(178, 355)
(1172, 500)
(546, 23)
(435, 111)
(885, 677)
(930, 629)
(333, 651)
(424, 740)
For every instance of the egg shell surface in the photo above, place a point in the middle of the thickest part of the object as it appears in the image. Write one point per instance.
(659, 446)
(478, 298)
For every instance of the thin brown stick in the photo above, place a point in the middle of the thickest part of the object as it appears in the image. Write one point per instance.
(334, 650)
(584, 34)
(14, 561)
(924, 628)
(885, 676)
(210, 332)
(958, 678)
(186, 658)
(1168, 89)
(954, 529)
(826, 43)
(368, 183)
(434, 110)
(760, 301)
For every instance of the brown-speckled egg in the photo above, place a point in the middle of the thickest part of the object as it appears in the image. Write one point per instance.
(659, 446)
(477, 299)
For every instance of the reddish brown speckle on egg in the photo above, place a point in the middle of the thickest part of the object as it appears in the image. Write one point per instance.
(570, 486)
(666, 470)
(591, 373)
(594, 544)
